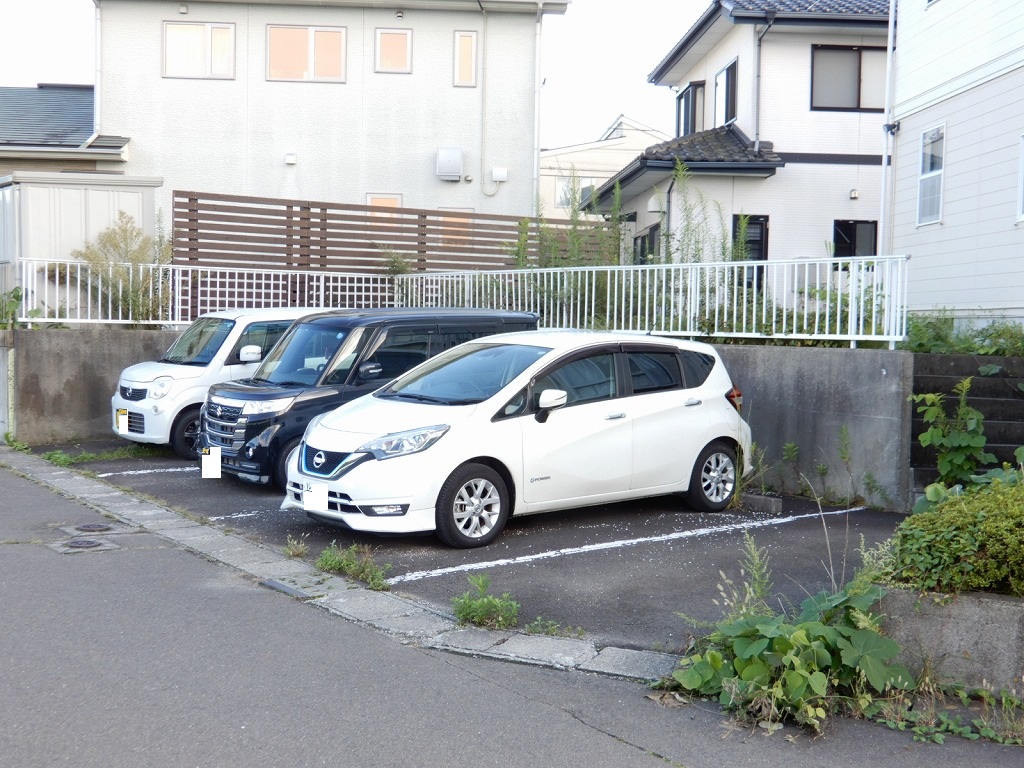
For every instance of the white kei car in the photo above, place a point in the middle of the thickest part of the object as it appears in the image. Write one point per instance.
(521, 423)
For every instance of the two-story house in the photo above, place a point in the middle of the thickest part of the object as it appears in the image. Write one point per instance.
(420, 103)
(779, 114)
(955, 192)
(577, 169)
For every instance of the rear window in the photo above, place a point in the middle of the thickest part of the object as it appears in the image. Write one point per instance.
(696, 367)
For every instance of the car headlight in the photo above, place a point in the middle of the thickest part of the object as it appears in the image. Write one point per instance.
(404, 443)
(160, 387)
(279, 405)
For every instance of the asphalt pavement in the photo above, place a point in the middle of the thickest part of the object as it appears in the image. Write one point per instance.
(135, 636)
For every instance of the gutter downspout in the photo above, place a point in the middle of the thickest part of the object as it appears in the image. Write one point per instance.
(769, 17)
(96, 79)
(889, 131)
(483, 108)
(536, 103)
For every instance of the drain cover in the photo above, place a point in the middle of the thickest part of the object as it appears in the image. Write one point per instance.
(83, 544)
(92, 527)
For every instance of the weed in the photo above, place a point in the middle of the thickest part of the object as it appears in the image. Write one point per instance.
(355, 561)
(483, 609)
(540, 626)
(958, 437)
(64, 459)
(17, 445)
(296, 547)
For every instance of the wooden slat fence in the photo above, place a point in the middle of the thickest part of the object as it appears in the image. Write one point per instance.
(230, 230)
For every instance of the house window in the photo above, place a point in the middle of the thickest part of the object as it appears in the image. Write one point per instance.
(394, 50)
(725, 95)
(571, 190)
(750, 242)
(383, 200)
(306, 53)
(854, 238)
(465, 59)
(929, 185)
(847, 78)
(199, 50)
(647, 247)
(690, 110)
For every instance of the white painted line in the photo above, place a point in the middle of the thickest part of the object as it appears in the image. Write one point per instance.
(418, 575)
(235, 516)
(149, 471)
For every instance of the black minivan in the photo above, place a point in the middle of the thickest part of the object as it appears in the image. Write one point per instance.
(324, 360)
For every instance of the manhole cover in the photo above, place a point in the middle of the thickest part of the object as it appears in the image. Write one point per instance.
(83, 544)
(92, 527)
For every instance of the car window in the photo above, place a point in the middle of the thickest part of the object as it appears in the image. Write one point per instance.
(262, 335)
(301, 355)
(696, 368)
(400, 350)
(199, 342)
(583, 380)
(653, 371)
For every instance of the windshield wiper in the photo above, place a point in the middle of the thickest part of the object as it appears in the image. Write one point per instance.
(418, 398)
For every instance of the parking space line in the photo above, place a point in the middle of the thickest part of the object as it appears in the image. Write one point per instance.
(419, 575)
(149, 471)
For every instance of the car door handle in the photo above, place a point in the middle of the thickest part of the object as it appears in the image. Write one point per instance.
(613, 416)
(692, 401)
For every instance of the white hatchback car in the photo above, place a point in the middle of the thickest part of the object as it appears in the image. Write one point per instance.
(521, 423)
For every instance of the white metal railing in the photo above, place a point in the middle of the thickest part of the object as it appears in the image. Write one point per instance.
(76, 292)
(842, 300)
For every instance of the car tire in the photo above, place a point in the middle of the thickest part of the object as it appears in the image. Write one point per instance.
(279, 476)
(185, 434)
(472, 507)
(713, 481)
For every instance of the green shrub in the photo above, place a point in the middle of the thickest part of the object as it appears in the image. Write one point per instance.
(483, 609)
(970, 542)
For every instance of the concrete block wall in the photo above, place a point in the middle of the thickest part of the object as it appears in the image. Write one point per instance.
(63, 381)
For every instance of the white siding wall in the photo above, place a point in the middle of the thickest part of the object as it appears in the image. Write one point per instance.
(786, 115)
(955, 67)
(800, 218)
(374, 133)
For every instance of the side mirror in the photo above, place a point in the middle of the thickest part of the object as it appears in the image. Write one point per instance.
(369, 370)
(549, 400)
(250, 353)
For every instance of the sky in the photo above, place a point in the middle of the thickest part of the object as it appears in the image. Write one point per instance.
(595, 59)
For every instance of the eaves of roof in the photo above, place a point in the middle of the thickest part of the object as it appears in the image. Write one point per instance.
(722, 151)
(711, 27)
(491, 6)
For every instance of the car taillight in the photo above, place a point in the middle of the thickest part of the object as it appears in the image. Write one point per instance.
(735, 397)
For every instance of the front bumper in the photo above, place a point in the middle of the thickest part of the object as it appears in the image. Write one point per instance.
(345, 501)
(142, 421)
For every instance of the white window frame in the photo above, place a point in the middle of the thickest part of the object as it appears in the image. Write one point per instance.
(457, 80)
(726, 95)
(207, 69)
(408, 51)
(311, 32)
(931, 177)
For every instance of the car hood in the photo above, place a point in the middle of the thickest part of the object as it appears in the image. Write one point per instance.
(368, 417)
(143, 373)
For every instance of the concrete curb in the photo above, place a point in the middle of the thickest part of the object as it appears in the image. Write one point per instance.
(394, 615)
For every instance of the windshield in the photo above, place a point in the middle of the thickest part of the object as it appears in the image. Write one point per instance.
(467, 374)
(308, 351)
(198, 344)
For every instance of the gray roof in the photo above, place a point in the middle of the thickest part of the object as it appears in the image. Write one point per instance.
(725, 144)
(871, 14)
(46, 116)
(725, 150)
